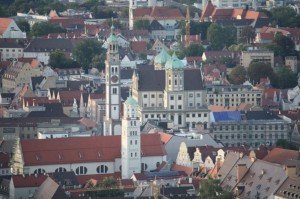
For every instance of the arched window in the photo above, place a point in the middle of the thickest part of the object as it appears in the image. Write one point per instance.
(60, 169)
(81, 170)
(39, 171)
(144, 166)
(102, 169)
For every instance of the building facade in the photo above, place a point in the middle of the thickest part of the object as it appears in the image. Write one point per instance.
(252, 128)
(256, 56)
(233, 95)
(18, 75)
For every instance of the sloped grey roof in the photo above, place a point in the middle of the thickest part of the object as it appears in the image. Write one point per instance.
(48, 45)
(154, 80)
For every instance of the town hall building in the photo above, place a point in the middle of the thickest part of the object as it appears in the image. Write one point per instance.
(170, 92)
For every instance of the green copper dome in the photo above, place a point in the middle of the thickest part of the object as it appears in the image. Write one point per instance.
(162, 57)
(131, 101)
(112, 38)
(174, 63)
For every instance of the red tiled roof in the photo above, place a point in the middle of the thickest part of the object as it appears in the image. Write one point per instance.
(84, 149)
(266, 36)
(67, 22)
(157, 13)
(165, 137)
(28, 180)
(4, 23)
(187, 170)
(280, 156)
(97, 96)
(229, 13)
(67, 97)
(138, 46)
(208, 10)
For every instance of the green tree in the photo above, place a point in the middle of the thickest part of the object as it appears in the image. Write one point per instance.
(211, 189)
(247, 35)
(85, 51)
(100, 13)
(237, 47)
(108, 183)
(258, 70)
(44, 28)
(98, 61)
(238, 75)
(23, 25)
(141, 24)
(285, 17)
(194, 50)
(229, 62)
(284, 78)
(285, 144)
(197, 28)
(220, 37)
(58, 60)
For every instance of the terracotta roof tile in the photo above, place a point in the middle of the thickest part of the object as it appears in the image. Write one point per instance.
(28, 180)
(187, 170)
(4, 23)
(138, 46)
(165, 137)
(157, 13)
(280, 156)
(84, 149)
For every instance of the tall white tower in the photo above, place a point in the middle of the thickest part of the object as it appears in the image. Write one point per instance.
(130, 139)
(112, 86)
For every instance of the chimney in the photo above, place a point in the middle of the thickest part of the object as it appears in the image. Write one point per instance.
(252, 156)
(241, 171)
(291, 170)
(218, 164)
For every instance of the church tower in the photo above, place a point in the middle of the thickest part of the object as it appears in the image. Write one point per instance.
(130, 139)
(112, 86)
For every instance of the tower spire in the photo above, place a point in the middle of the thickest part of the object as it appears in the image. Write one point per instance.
(187, 25)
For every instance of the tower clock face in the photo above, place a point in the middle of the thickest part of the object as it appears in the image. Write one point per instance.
(114, 79)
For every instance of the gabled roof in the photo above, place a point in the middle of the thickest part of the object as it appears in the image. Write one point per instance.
(84, 149)
(4, 23)
(157, 13)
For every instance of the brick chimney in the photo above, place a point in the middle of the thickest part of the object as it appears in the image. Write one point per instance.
(241, 171)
